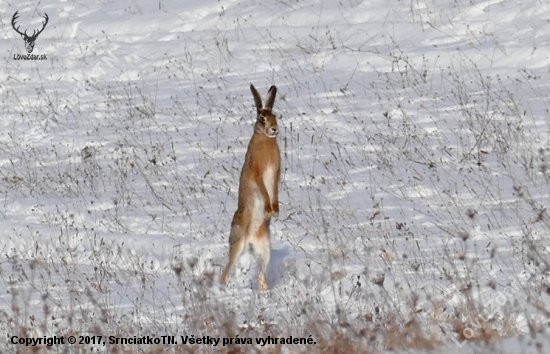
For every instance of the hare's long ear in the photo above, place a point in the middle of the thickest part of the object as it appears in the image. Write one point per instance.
(271, 99)
(257, 98)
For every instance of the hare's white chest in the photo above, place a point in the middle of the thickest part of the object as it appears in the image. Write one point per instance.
(269, 181)
(258, 207)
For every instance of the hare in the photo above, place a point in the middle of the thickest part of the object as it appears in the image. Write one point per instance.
(258, 191)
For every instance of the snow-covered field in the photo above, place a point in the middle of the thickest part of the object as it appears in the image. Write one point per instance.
(415, 142)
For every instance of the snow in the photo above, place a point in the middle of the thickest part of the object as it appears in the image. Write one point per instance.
(414, 139)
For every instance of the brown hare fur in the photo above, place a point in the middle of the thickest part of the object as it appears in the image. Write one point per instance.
(258, 191)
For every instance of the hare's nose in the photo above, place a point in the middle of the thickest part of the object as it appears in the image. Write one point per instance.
(274, 130)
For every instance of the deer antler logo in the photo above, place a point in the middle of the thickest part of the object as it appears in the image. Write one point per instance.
(29, 40)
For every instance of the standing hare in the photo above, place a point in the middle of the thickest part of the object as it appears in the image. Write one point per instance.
(258, 190)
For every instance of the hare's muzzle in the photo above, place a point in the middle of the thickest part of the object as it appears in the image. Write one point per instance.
(273, 131)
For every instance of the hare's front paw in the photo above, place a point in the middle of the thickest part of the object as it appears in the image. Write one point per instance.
(272, 211)
(276, 210)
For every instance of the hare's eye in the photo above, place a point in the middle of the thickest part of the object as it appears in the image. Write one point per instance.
(263, 119)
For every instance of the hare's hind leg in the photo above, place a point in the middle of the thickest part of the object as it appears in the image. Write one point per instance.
(262, 248)
(237, 243)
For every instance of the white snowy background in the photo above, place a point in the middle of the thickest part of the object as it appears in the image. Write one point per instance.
(415, 172)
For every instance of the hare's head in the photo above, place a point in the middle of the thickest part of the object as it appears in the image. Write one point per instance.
(266, 123)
